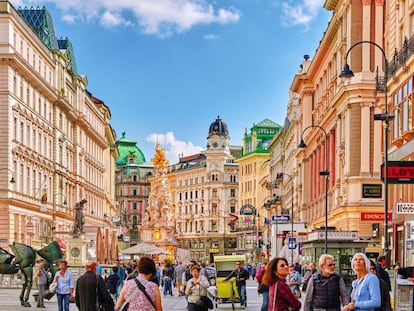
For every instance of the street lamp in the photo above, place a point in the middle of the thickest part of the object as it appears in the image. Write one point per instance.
(12, 180)
(386, 118)
(321, 173)
(279, 176)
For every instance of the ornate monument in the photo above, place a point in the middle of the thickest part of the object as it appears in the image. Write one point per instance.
(77, 254)
(158, 221)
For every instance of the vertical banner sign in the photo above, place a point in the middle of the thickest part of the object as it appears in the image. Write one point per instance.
(43, 200)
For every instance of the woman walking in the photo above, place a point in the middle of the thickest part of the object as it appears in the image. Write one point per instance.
(196, 287)
(147, 299)
(281, 298)
(65, 286)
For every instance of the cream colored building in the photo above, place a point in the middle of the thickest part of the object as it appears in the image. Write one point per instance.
(205, 193)
(55, 136)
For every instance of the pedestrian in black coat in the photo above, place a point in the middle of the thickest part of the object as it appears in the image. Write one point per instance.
(87, 286)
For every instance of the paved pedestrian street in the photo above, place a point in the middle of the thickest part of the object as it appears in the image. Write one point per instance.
(9, 301)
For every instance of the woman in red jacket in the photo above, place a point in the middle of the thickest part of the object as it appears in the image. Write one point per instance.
(281, 298)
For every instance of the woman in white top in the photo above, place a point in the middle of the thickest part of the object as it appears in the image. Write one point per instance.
(196, 287)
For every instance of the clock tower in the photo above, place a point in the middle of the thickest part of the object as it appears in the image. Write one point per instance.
(218, 146)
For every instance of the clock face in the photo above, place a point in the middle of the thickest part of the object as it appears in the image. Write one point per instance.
(75, 252)
(215, 144)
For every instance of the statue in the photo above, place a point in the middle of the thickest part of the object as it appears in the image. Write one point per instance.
(159, 160)
(79, 219)
(24, 259)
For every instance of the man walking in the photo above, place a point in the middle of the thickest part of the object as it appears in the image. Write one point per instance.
(308, 274)
(326, 289)
(88, 286)
(381, 273)
(41, 275)
(178, 276)
(241, 276)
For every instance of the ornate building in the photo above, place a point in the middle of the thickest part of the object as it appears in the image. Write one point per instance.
(204, 191)
(132, 189)
(55, 136)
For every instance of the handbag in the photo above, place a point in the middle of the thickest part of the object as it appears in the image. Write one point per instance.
(206, 301)
(52, 287)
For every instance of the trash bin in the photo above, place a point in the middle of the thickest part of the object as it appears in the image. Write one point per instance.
(403, 295)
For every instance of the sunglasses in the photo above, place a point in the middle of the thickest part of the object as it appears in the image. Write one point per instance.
(283, 265)
(331, 265)
(372, 269)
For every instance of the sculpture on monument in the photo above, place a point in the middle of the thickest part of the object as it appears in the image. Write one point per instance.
(159, 216)
(79, 219)
(24, 258)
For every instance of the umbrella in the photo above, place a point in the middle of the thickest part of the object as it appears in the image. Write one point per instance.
(145, 249)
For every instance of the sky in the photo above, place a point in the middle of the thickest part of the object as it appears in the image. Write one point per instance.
(168, 68)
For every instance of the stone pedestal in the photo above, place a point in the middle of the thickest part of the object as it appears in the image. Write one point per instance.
(77, 252)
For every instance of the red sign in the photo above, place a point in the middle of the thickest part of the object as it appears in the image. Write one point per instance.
(399, 172)
(370, 216)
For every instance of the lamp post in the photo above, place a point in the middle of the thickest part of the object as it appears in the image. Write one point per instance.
(321, 173)
(12, 180)
(386, 118)
(279, 176)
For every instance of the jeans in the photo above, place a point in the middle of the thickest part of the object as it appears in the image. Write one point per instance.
(265, 302)
(241, 288)
(118, 290)
(167, 286)
(63, 301)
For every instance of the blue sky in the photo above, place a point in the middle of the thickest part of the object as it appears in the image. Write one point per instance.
(168, 68)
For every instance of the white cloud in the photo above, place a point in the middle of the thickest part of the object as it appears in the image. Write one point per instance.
(173, 147)
(300, 12)
(211, 36)
(110, 20)
(154, 17)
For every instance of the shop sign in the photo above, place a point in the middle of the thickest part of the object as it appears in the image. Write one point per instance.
(247, 209)
(372, 216)
(399, 172)
(333, 236)
(373, 191)
(405, 208)
(214, 250)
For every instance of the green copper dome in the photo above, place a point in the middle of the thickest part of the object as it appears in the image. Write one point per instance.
(129, 153)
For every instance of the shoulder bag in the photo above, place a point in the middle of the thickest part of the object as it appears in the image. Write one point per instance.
(274, 297)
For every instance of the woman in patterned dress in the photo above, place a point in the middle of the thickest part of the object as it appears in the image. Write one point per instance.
(146, 270)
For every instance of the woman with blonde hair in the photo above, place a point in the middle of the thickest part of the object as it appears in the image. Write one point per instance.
(281, 298)
(366, 294)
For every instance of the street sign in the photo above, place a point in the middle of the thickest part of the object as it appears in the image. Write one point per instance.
(280, 218)
(292, 243)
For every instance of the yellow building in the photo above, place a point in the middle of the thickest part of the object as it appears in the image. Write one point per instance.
(254, 176)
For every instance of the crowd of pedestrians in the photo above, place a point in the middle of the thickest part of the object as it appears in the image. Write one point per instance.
(141, 284)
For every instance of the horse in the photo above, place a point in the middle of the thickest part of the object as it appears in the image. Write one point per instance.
(23, 259)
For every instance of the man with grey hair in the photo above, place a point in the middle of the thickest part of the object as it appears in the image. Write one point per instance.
(326, 289)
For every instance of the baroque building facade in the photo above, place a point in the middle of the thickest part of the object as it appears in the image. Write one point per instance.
(204, 192)
(55, 136)
(132, 189)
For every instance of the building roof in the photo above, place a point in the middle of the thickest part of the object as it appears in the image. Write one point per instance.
(128, 150)
(40, 20)
(219, 128)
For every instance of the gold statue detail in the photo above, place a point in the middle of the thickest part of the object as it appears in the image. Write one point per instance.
(159, 160)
